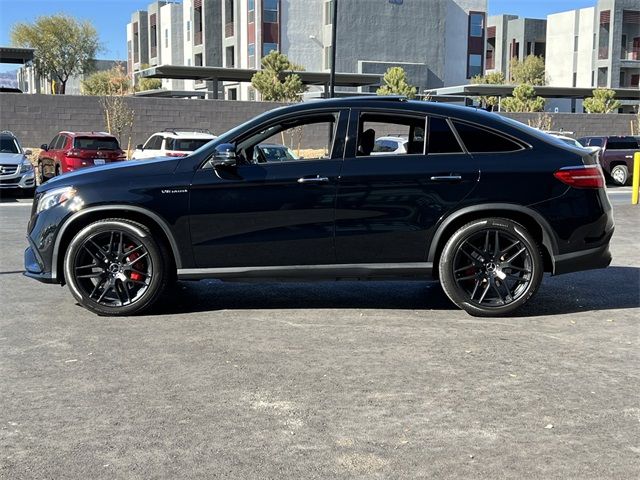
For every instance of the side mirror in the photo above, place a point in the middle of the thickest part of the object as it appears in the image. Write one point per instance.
(224, 155)
(44, 147)
(28, 151)
(139, 147)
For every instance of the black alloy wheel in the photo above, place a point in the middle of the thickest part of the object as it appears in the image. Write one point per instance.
(491, 267)
(114, 267)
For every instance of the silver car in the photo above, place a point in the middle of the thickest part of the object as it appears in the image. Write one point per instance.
(16, 171)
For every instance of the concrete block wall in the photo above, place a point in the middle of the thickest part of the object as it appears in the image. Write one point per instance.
(36, 119)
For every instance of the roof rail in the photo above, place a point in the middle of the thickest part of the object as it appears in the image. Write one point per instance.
(8, 132)
(199, 130)
(376, 98)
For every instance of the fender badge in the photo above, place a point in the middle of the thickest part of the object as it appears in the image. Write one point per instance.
(174, 190)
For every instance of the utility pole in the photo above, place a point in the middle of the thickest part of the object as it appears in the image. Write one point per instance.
(334, 28)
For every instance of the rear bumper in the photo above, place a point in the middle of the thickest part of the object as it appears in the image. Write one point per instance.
(599, 257)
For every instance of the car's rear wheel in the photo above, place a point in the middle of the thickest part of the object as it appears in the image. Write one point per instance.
(115, 267)
(491, 267)
(620, 174)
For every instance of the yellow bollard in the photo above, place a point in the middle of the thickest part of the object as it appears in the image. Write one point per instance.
(636, 179)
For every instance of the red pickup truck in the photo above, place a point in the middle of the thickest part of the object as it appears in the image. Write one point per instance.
(616, 156)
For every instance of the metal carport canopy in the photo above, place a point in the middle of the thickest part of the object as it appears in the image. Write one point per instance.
(545, 91)
(16, 55)
(184, 72)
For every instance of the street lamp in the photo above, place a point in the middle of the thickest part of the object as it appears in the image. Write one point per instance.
(332, 75)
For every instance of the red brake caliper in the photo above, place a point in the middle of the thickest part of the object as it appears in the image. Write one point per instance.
(134, 276)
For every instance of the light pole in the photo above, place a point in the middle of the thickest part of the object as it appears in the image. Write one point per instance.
(334, 28)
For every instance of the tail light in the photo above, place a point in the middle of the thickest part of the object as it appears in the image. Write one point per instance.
(176, 154)
(583, 176)
(73, 153)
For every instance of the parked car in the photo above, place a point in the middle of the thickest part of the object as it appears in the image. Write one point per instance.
(390, 145)
(70, 151)
(172, 143)
(483, 203)
(271, 152)
(616, 156)
(16, 170)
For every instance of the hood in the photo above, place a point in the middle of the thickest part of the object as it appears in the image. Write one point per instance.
(11, 158)
(114, 172)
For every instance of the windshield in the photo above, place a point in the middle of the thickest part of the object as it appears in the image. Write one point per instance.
(8, 145)
(187, 144)
(96, 143)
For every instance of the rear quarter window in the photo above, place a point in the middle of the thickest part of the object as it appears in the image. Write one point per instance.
(186, 144)
(622, 144)
(480, 140)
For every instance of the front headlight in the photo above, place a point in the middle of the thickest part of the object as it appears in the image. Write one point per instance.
(26, 166)
(55, 197)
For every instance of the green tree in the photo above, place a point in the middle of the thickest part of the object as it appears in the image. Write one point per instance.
(144, 83)
(494, 78)
(276, 82)
(63, 46)
(108, 82)
(524, 99)
(395, 83)
(530, 70)
(603, 101)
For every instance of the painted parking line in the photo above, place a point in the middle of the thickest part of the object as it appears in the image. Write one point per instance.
(16, 204)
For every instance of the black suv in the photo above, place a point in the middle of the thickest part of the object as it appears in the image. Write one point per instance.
(483, 203)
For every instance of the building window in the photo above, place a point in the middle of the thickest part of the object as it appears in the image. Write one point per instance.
(166, 38)
(197, 22)
(593, 77)
(136, 43)
(476, 25)
(230, 56)
(252, 94)
(153, 35)
(575, 43)
(603, 77)
(603, 33)
(251, 53)
(328, 12)
(269, 47)
(188, 30)
(270, 11)
(575, 79)
(328, 51)
(475, 65)
(251, 7)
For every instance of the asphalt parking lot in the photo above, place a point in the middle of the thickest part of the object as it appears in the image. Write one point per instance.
(322, 380)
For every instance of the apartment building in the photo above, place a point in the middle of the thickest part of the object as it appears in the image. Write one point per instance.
(512, 38)
(438, 42)
(595, 47)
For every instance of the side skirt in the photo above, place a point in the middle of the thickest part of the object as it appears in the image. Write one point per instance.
(356, 271)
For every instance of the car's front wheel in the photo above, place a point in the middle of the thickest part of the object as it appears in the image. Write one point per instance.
(115, 267)
(491, 267)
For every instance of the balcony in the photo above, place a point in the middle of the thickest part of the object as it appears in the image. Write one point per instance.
(229, 30)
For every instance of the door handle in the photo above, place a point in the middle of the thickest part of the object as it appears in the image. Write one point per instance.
(446, 178)
(316, 179)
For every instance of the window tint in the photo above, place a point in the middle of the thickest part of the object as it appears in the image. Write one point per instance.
(303, 138)
(96, 143)
(441, 138)
(154, 143)
(595, 142)
(373, 126)
(186, 144)
(479, 140)
(8, 145)
(60, 143)
(625, 143)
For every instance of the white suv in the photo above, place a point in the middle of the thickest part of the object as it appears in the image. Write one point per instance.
(172, 143)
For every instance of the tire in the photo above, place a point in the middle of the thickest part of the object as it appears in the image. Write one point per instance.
(57, 171)
(620, 174)
(486, 281)
(115, 267)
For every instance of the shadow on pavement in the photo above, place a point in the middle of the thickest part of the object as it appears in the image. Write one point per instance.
(611, 288)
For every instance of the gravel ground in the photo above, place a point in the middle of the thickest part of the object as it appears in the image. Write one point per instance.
(322, 380)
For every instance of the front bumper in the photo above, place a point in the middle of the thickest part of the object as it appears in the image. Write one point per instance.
(23, 181)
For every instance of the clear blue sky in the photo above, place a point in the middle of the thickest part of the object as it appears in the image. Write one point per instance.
(110, 17)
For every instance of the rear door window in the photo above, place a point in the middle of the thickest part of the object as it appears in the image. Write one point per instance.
(595, 142)
(96, 143)
(372, 126)
(441, 138)
(186, 144)
(154, 143)
(622, 144)
(480, 140)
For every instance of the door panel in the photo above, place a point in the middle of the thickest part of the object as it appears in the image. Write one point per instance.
(388, 205)
(268, 214)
